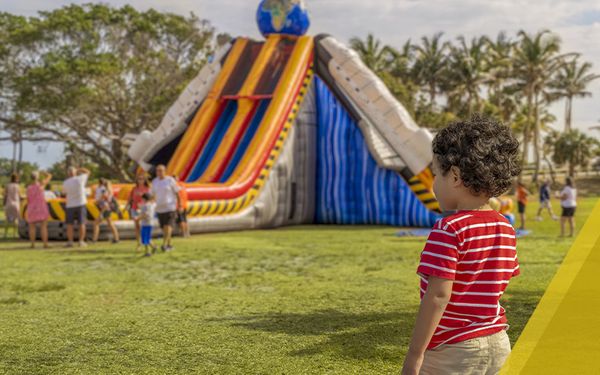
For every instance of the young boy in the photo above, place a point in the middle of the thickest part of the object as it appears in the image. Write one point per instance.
(469, 256)
(146, 217)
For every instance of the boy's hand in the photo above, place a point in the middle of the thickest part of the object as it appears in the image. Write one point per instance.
(412, 364)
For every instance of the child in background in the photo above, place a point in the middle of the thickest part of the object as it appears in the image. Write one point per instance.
(470, 255)
(146, 218)
(522, 194)
(545, 201)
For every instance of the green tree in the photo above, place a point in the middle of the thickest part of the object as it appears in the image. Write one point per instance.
(536, 59)
(499, 62)
(430, 64)
(573, 148)
(6, 169)
(91, 74)
(571, 81)
(465, 76)
(376, 56)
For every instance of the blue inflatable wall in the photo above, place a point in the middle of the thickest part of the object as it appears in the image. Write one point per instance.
(351, 188)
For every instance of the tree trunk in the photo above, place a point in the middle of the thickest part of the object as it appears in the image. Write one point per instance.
(13, 162)
(536, 138)
(568, 113)
(550, 168)
(571, 166)
(431, 94)
(20, 161)
(526, 130)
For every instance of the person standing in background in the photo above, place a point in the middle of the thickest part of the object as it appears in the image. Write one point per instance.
(147, 208)
(522, 194)
(105, 201)
(166, 192)
(182, 209)
(142, 186)
(76, 200)
(12, 204)
(37, 209)
(568, 203)
(545, 201)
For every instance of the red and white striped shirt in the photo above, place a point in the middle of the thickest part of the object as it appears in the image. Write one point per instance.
(477, 250)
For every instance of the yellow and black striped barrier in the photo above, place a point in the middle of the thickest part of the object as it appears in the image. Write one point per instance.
(422, 185)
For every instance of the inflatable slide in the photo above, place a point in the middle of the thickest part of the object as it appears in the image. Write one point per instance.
(289, 130)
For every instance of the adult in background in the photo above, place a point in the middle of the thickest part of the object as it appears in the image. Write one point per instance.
(166, 192)
(522, 194)
(142, 186)
(182, 208)
(12, 204)
(74, 191)
(568, 203)
(545, 201)
(37, 208)
(105, 203)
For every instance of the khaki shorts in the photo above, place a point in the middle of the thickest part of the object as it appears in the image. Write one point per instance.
(481, 355)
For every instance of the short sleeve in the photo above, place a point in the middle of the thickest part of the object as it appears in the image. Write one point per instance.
(440, 254)
(83, 179)
(174, 186)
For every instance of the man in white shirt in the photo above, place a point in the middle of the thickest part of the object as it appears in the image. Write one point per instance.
(76, 200)
(166, 193)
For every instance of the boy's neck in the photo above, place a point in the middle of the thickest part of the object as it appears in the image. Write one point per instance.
(473, 203)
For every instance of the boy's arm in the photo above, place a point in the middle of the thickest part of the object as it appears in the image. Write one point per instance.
(430, 313)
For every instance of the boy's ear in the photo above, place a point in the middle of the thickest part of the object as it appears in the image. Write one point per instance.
(455, 174)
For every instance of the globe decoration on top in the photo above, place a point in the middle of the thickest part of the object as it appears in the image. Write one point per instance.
(282, 17)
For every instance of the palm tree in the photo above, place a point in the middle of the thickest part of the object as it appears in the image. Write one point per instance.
(536, 59)
(571, 81)
(430, 64)
(376, 56)
(466, 74)
(575, 149)
(499, 63)
(402, 59)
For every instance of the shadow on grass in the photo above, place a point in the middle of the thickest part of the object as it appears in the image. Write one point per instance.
(374, 335)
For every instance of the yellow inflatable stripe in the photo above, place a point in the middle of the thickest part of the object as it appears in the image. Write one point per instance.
(206, 207)
(426, 196)
(205, 114)
(237, 204)
(244, 108)
(297, 62)
(58, 210)
(434, 206)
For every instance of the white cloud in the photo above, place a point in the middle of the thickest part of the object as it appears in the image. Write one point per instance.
(394, 21)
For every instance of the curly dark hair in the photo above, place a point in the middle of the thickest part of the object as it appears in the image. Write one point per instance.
(485, 151)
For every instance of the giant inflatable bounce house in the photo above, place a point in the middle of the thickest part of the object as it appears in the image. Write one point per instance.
(288, 130)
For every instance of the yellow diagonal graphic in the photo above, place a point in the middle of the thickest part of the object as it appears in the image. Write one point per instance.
(563, 334)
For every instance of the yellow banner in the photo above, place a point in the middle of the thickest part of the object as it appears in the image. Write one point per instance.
(563, 334)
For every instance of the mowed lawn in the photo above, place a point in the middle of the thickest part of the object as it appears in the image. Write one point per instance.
(298, 300)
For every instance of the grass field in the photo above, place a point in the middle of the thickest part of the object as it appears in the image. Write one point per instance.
(300, 300)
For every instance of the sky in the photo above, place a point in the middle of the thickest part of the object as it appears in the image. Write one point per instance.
(577, 22)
